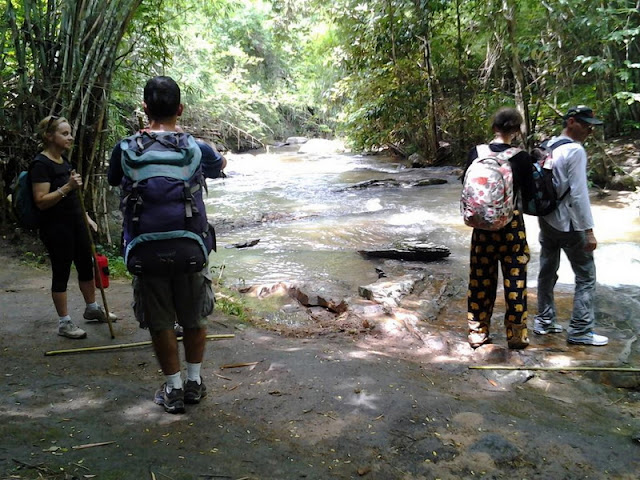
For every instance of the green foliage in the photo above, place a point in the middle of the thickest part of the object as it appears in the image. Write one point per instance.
(34, 259)
(260, 66)
(571, 52)
(233, 306)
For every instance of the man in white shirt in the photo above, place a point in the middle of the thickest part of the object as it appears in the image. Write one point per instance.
(570, 228)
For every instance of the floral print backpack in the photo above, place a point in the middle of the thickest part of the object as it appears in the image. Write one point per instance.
(487, 200)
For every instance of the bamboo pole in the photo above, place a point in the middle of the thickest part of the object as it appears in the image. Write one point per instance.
(556, 369)
(95, 260)
(122, 346)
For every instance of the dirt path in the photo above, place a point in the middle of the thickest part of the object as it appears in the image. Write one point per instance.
(374, 406)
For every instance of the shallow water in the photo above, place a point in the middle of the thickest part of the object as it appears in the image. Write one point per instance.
(319, 226)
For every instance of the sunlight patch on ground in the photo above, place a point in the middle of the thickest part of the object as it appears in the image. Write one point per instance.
(362, 354)
(23, 407)
(363, 399)
(560, 361)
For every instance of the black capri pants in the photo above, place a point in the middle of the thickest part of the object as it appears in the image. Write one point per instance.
(67, 242)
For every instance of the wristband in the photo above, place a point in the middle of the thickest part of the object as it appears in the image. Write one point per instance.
(61, 192)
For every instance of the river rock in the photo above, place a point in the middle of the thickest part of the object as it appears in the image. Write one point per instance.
(393, 183)
(416, 160)
(428, 182)
(385, 182)
(389, 292)
(413, 250)
(261, 291)
(247, 244)
(329, 300)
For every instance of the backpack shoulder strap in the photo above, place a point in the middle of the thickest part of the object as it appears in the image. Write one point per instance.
(508, 154)
(559, 143)
(484, 151)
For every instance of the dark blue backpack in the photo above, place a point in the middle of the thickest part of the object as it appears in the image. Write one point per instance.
(544, 199)
(24, 208)
(165, 226)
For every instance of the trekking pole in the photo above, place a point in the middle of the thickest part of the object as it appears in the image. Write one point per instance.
(95, 260)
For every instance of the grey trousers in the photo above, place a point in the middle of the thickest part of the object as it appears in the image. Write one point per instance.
(572, 243)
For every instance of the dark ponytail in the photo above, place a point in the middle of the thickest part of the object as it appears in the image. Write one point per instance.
(507, 120)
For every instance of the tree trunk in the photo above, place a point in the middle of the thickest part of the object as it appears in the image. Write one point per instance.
(521, 97)
(434, 141)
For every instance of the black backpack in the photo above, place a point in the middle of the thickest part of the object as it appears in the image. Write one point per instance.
(544, 198)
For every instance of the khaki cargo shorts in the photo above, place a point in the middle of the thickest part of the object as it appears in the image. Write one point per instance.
(159, 302)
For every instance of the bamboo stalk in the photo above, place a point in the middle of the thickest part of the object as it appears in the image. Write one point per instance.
(121, 346)
(556, 369)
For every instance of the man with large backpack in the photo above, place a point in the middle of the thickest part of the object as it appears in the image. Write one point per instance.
(166, 237)
(570, 228)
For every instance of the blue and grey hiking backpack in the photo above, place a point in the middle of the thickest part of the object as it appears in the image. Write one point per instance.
(24, 208)
(544, 199)
(165, 223)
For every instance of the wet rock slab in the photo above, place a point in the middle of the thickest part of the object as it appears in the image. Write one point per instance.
(412, 250)
(394, 183)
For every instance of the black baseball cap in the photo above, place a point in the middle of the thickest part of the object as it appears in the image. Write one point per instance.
(584, 114)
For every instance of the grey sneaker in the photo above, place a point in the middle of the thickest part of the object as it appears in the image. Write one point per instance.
(98, 313)
(588, 339)
(540, 328)
(173, 402)
(69, 330)
(194, 391)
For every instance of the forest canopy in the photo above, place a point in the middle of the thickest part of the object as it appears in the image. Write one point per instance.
(414, 76)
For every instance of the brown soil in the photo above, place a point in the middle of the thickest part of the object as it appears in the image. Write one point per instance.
(372, 403)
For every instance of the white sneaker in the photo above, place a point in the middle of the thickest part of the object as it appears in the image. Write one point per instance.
(69, 330)
(98, 314)
(589, 339)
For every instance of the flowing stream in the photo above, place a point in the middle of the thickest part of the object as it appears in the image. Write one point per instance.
(311, 226)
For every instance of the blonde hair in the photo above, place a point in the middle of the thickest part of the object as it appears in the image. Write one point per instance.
(47, 126)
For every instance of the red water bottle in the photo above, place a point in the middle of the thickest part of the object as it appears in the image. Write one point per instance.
(102, 271)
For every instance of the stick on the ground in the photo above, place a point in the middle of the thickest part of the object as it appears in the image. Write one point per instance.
(555, 369)
(124, 345)
(91, 445)
(239, 365)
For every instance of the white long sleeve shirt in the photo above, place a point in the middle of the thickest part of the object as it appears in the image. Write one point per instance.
(570, 170)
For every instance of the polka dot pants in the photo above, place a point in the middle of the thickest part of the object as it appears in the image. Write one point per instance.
(507, 247)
